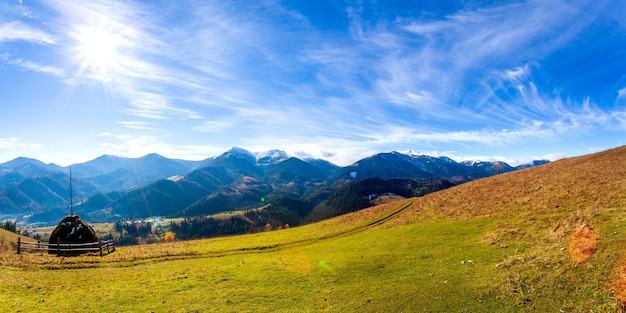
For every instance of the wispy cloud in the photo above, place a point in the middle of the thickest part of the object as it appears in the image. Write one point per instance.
(451, 69)
(513, 161)
(216, 126)
(486, 136)
(18, 31)
(154, 105)
(32, 66)
(13, 143)
(263, 74)
(140, 145)
(137, 125)
(415, 63)
(139, 74)
(131, 145)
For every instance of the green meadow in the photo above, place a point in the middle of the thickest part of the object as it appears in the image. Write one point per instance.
(362, 262)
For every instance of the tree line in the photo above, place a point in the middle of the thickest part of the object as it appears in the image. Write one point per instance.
(9, 225)
(131, 233)
(282, 212)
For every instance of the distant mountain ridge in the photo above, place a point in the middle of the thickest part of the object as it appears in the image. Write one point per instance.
(21, 168)
(117, 187)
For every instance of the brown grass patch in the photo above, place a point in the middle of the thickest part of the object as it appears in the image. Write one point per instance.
(500, 237)
(619, 286)
(583, 244)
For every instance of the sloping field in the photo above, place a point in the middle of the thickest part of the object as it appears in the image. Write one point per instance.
(494, 245)
(7, 237)
(539, 211)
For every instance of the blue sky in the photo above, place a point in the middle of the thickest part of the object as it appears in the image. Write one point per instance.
(340, 80)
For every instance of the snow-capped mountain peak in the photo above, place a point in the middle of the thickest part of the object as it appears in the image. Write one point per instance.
(240, 152)
(271, 157)
(471, 162)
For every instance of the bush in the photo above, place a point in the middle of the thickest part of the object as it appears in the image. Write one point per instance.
(169, 237)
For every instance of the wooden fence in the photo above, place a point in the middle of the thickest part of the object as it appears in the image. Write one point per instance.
(66, 248)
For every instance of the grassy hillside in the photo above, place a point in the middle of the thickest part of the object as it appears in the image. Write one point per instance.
(494, 245)
(584, 185)
(537, 211)
(6, 238)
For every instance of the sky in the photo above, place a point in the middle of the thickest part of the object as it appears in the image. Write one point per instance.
(337, 80)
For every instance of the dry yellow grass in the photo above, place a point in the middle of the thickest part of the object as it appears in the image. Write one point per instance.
(568, 193)
(582, 184)
(619, 285)
(8, 240)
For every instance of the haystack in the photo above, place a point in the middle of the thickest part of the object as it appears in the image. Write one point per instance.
(72, 230)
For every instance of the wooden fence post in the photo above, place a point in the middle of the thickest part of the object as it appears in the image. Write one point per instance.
(19, 243)
(58, 245)
(100, 245)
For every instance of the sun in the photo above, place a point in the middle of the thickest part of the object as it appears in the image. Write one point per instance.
(97, 49)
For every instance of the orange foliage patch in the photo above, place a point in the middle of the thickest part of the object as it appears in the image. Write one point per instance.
(582, 245)
(169, 237)
(619, 286)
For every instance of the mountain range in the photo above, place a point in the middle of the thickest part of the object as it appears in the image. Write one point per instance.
(112, 188)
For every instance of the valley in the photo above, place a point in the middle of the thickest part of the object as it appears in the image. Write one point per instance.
(497, 244)
(110, 189)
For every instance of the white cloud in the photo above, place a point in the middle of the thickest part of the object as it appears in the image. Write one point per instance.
(215, 126)
(458, 61)
(518, 73)
(13, 143)
(469, 79)
(399, 135)
(513, 161)
(139, 145)
(338, 151)
(159, 110)
(621, 93)
(18, 31)
(137, 125)
(32, 66)
(139, 74)
(131, 145)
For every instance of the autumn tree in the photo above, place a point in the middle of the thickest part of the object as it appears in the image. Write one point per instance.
(169, 236)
